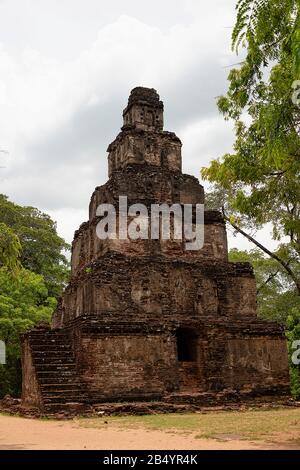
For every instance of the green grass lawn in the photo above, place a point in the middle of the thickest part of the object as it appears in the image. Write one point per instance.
(250, 424)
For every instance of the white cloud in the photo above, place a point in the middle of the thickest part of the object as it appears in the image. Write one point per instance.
(61, 104)
(68, 220)
(205, 140)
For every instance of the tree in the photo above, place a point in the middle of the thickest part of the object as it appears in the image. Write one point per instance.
(10, 248)
(260, 179)
(267, 28)
(33, 270)
(24, 301)
(43, 251)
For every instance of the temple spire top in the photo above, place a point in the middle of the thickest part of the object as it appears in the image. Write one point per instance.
(144, 110)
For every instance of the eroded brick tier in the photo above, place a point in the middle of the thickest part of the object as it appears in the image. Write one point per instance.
(147, 319)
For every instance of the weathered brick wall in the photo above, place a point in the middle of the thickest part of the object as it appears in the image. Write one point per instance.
(121, 366)
(118, 357)
(134, 309)
(246, 356)
(87, 247)
(256, 362)
(31, 394)
(157, 285)
(137, 147)
(148, 185)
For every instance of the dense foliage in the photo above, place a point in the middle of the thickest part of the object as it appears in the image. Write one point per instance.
(10, 248)
(33, 270)
(23, 302)
(261, 177)
(42, 249)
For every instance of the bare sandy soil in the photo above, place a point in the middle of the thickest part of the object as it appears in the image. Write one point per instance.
(21, 433)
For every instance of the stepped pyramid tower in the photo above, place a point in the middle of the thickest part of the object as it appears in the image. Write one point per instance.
(146, 319)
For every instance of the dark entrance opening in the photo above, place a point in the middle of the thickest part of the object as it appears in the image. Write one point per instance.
(186, 345)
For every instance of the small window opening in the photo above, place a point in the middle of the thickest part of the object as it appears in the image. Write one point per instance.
(186, 345)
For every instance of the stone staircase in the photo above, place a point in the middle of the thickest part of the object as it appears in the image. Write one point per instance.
(55, 367)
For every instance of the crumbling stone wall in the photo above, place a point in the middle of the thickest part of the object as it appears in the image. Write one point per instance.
(143, 319)
(87, 247)
(160, 285)
(127, 366)
(31, 392)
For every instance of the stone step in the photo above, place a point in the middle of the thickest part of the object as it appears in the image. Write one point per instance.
(56, 370)
(50, 340)
(71, 383)
(47, 386)
(52, 350)
(53, 361)
(62, 398)
(61, 386)
(49, 333)
(57, 379)
(46, 345)
(55, 407)
(51, 347)
(57, 362)
(53, 365)
(49, 337)
(61, 368)
(57, 376)
(73, 388)
(52, 354)
(69, 372)
(64, 394)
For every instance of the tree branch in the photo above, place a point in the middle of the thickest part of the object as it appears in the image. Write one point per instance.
(269, 279)
(283, 263)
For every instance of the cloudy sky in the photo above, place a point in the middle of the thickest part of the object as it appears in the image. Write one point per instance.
(66, 70)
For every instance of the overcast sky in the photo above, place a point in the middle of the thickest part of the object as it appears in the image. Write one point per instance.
(66, 70)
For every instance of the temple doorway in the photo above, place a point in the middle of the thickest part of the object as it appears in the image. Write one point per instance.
(188, 359)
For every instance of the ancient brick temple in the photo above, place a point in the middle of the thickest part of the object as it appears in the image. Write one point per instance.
(146, 319)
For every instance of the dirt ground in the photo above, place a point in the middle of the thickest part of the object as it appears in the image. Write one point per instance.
(20, 433)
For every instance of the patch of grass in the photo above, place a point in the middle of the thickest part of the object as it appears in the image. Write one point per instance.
(5, 413)
(224, 425)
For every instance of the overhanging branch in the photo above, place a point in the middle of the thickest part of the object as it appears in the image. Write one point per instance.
(283, 263)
